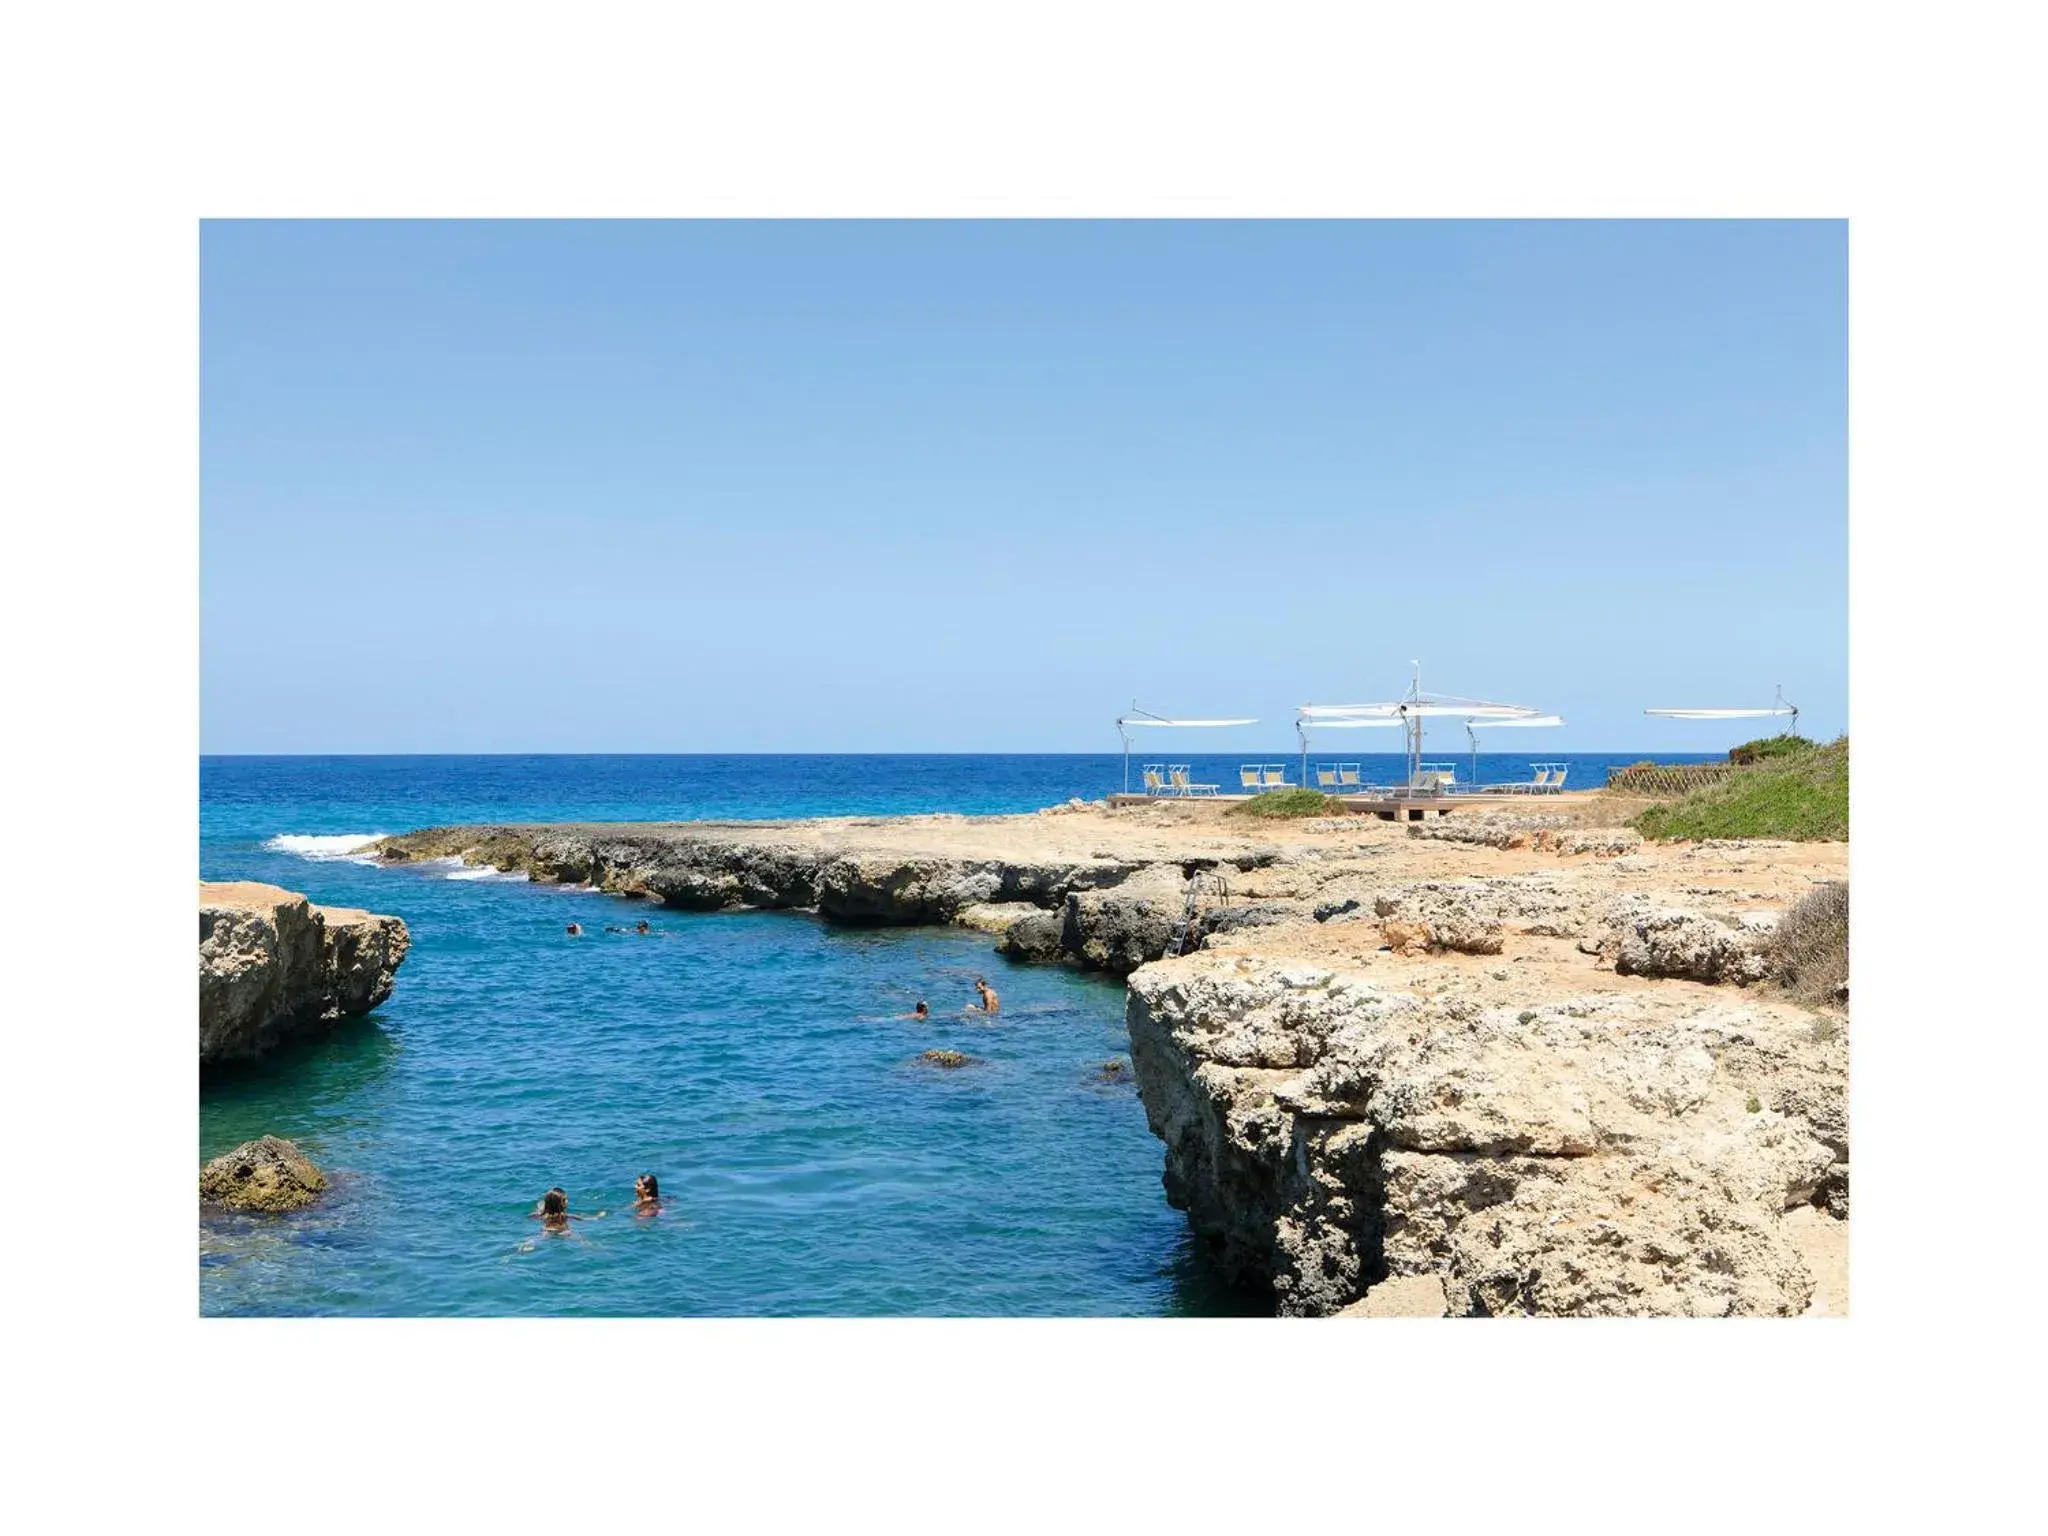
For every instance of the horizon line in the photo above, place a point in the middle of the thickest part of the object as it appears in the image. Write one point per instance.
(957, 752)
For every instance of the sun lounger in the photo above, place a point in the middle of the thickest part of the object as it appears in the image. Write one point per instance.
(1347, 776)
(1181, 786)
(1248, 776)
(1274, 777)
(1156, 781)
(1326, 777)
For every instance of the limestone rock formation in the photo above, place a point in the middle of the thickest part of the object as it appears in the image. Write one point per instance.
(1121, 927)
(271, 964)
(1591, 1156)
(1693, 945)
(268, 1174)
(1036, 937)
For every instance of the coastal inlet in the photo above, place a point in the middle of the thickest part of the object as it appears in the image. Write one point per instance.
(813, 1162)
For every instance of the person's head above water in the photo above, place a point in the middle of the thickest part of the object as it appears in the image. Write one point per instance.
(641, 926)
(555, 1202)
(646, 1187)
(575, 930)
(923, 1009)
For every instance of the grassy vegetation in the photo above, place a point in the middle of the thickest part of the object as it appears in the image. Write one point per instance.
(1810, 949)
(1765, 748)
(1287, 804)
(1802, 795)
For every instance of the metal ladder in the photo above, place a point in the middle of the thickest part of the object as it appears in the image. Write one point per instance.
(1190, 910)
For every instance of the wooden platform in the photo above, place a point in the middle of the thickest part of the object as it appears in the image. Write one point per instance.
(1386, 807)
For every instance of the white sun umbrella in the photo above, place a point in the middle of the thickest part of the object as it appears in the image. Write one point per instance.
(1140, 717)
(1777, 707)
(1475, 724)
(1338, 717)
(1415, 706)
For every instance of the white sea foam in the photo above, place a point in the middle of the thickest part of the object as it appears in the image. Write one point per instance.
(339, 845)
(485, 873)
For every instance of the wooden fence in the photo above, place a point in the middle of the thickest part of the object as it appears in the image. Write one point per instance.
(1666, 778)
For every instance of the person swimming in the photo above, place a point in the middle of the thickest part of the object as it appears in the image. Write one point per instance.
(575, 930)
(990, 1003)
(554, 1215)
(923, 1010)
(647, 1195)
(642, 928)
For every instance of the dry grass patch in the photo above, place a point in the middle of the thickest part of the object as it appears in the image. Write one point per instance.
(1809, 952)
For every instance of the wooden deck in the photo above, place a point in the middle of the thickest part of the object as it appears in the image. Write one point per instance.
(1386, 807)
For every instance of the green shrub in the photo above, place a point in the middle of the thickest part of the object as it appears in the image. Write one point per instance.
(1803, 796)
(1766, 747)
(1289, 803)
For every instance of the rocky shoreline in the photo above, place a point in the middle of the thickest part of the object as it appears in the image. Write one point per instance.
(273, 965)
(1487, 1065)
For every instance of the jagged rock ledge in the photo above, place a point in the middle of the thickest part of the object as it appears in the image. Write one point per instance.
(1106, 910)
(271, 965)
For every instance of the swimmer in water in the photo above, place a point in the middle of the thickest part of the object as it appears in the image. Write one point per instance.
(575, 930)
(642, 928)
(554, 1216)
(990, 1003)
(647, 1199)
(923, 1010)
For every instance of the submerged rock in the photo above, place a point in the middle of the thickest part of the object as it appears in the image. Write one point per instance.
(268, 1174)
(271, 964)
(947, 1059)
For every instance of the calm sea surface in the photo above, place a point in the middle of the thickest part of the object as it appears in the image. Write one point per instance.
(758, 1063)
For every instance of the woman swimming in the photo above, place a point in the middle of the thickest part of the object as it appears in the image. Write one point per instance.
(647, 1199)
(554, 1215)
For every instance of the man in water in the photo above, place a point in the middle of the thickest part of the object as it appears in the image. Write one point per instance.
(921, 1011)
(575, 930)
(642, 928)
(990, 1003)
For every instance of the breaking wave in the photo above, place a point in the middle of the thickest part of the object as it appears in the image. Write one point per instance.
(339, 845)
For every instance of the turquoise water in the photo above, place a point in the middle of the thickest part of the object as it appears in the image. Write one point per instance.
(757, 1063)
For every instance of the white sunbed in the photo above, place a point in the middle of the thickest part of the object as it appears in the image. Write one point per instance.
(1183, 787)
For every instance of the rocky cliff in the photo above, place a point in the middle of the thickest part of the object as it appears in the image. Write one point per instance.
(1608, 1153)
(272, 964)
(1513, 1063)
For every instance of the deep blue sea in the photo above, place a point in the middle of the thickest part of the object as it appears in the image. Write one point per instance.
(759, 1064)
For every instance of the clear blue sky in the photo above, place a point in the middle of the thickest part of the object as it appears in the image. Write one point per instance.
(976, 486)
